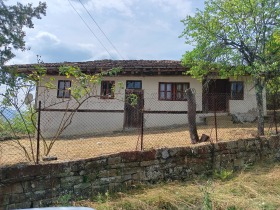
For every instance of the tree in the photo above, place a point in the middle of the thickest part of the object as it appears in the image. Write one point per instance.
(13, 19)
(235, 37)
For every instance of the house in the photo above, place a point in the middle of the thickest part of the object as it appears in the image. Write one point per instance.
(160, 86)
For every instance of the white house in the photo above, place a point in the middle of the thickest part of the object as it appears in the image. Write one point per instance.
(160, 86)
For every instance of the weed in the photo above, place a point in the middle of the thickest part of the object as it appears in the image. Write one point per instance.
(102, 198)
(207, 201)
(64, 200)
(223, 174)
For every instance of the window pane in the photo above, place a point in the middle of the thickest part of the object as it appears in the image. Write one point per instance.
(60, 93)
(67, 94)
(162, 87)
(133, 84)
(63, 89)
(239, 87)
(168, 87)
(237, 90)
(185, 86)
(129, 85)
(178, 96)
(168, 95)
(178, 87)
(137, 85)
(107, 89)
(67, 84)
(161, 96)
(61, 85)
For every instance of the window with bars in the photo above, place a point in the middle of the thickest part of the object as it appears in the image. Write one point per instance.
(236, 90)
(63, 90)
(107, 89)
(173, 91)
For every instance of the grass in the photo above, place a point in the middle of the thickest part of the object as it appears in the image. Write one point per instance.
(257, 188)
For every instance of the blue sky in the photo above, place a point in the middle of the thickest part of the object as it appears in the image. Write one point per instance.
(147, 29)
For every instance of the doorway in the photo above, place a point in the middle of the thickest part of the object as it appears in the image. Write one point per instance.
(134, 103)
(216, 95)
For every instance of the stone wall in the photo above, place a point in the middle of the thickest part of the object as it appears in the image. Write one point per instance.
(28, 186)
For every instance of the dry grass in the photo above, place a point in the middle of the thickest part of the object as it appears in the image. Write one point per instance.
(258, 188)
(79, 147)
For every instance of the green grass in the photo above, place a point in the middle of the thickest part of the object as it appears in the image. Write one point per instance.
(255, 188)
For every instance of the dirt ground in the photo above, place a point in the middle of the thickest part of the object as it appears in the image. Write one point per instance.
(81, 147)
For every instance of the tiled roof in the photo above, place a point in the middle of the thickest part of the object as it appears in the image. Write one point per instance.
(128, 66)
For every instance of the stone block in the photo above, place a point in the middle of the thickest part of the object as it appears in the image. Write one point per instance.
(131, 170)
(153, 172)
(71, 180)
(108, 173)
(114, 160)
(4, 200)
(148, 155)
(133, 156)
(149, 163)
(165, 154)
(90, 166)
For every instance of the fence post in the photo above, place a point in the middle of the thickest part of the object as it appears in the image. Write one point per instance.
(142, 124)
(215, 116)
(38, 133)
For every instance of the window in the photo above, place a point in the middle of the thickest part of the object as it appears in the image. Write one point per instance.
(107, 89)
(133, 84)
(236, 91)
(63, 90)
(173, 91)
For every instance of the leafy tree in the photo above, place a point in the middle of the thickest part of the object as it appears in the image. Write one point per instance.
(13, 19)
(238, 38)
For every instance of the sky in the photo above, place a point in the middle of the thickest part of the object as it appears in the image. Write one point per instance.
(136, 29)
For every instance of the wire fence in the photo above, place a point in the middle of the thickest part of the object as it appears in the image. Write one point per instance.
(106, 126)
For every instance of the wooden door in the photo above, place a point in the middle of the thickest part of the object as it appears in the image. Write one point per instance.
(216, 96)
(134, 103)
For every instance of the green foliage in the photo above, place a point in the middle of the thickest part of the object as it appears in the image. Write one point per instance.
(207, 201)
(223, 174)
(13, 20)
(233, 33)
(21, 124)
(102, 198)
(235, 38)
(132, 99)
(64, 200)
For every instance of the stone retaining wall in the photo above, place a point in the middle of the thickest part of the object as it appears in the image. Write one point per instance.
(28, 186)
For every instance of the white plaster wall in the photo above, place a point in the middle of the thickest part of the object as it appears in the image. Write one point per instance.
(249, 102)
(83, 123)
(90, 123)
(150, 85)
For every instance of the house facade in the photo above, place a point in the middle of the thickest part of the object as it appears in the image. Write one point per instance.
(160, 89)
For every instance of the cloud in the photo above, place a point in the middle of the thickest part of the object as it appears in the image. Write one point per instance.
(123, 7)
(176, 7)
(138, 29)
(47, 38)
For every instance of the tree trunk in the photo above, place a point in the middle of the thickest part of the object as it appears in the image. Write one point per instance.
(192, 115)
(259, 97)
